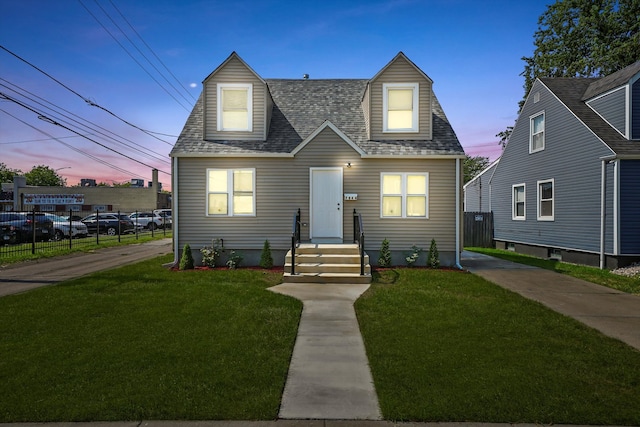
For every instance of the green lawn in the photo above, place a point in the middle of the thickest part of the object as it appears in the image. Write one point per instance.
(142, 342)
(450, 346)
(591, 274)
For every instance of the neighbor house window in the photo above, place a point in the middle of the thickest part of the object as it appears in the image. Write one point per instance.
(400, 107)
(404, 195)
(231, 192)
(545, 200)
(518, 198)
(235, 107)
(536, 142)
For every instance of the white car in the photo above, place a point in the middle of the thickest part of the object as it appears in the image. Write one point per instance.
(146, 220)
(63, 228)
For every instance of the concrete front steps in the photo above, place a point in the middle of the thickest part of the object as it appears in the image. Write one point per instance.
(327, 263)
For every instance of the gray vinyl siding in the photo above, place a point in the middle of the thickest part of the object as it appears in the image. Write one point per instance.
(282, 186)
(477, 192)
(635, 110)
(235, 71)
(612, 107)
(572, 159)
(401, 71)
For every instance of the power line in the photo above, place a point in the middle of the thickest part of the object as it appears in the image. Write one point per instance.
(85, 99)
(159, 157)
(51, 137)
(139, 51)
(131, 56)
(151, 50)
(53, 122)
(36, 140)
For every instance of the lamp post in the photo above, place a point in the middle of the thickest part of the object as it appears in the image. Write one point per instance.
(56, 171)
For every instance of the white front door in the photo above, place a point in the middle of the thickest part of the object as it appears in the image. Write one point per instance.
(326, 205)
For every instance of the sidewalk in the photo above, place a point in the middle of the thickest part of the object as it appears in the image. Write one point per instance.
(612, 312)
(24, 276)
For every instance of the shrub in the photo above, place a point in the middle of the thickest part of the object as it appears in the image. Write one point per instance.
(210, 255)
(235, 258)
(266, 260)
(412, 256)
(384, 260)
(186, 260)
(433, 259)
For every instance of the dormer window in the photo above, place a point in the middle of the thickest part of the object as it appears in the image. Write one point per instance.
(235, 112)
(400, 107)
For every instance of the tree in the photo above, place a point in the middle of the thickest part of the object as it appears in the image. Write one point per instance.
(7, 174)
(582, 38)
(473, 166)
(44, 176)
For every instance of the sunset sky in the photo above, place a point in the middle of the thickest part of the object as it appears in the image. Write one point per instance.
(101, 88)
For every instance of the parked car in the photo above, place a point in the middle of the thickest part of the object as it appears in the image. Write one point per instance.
(147, 220)
(62, 227)
(109, 223)
(8, 234)
(165, 214)
(23, 225)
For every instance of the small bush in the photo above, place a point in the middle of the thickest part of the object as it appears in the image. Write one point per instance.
(384, 260)
(412, 256)
(433, 259)
(211, 254)
(186, 260)
(235, 258)
(266, 260)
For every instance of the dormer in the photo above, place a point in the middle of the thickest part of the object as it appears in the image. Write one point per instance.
(616, 98)
(398, 102)
(237, 104)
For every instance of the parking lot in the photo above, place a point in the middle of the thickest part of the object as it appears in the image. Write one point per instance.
(32, 232)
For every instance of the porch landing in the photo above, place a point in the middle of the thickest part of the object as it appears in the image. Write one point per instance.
(327, 263)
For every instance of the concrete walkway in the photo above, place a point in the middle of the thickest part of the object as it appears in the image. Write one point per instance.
(24, 276)
(329, 376)
(614, 313)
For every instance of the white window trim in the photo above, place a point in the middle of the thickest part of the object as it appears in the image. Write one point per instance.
(249, 88)
(415, 87)
(230, 193)
(404, 195)
(544, 139)
(553, 200)
(514, 216)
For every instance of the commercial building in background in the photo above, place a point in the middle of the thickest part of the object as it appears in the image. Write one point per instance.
(18, 196)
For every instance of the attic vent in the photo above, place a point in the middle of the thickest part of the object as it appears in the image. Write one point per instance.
(305, 76)
(536, 97)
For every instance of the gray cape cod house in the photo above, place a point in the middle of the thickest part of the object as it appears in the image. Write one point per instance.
(256, 151)
(568, 182)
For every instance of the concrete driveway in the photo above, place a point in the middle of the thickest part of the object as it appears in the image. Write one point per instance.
(612, 312)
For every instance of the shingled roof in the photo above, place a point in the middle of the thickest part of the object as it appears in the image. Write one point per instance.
(300, 108)
(571, 91)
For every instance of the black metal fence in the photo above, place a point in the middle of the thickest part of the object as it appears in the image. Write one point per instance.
(24, 232)
(478, 229)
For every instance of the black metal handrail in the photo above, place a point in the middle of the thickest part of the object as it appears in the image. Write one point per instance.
(358, 236)
(295, 240)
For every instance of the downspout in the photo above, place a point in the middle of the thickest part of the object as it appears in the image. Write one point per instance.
(458, 214)
(603, 211)
(174, 210)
